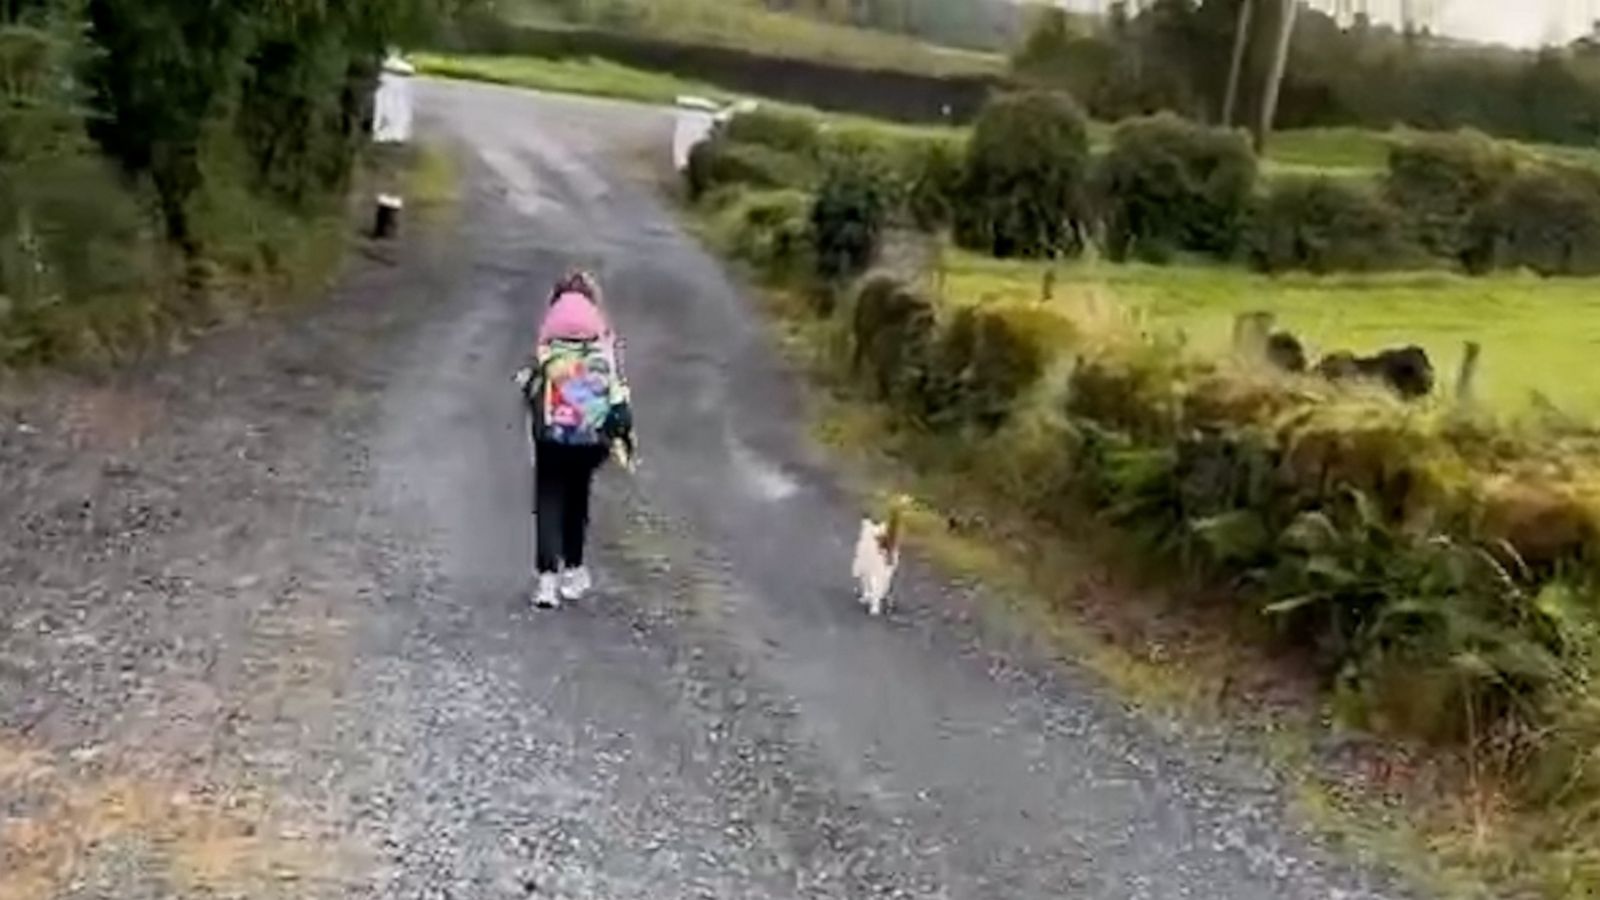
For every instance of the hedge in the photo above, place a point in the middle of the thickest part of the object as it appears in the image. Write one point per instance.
(1170, 184)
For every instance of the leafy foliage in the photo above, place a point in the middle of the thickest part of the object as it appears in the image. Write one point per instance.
(1176, 54)
(934, 184)
(894, 332)
(123, 123)
(1441, 181)
(781, 131)
(848, 218)
(1545, 218)
(1327, 225)
(722, 162)
(771, 230)
(1025, 187)
(1169, 184)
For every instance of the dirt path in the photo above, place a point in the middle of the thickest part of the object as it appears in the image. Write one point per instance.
(262, 630)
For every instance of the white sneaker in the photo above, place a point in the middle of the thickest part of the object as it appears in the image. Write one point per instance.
(575, 583)
(547, 594)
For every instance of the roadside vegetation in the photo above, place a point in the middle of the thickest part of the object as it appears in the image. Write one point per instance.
(164, 164)
(1050, 325)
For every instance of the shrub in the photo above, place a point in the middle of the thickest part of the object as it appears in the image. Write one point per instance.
(848, 217)
(1327, 225)
(770, 230)
(987, 360)
(894, 331)
(933, 183)
(1168, 183)
(1439, 182)
(1347, 523)
(720, 162)
(1024, 185)
(781, 131)
(1546, 218)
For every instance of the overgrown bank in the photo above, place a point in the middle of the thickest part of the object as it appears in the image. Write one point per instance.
(164, 163)
(1433, 566)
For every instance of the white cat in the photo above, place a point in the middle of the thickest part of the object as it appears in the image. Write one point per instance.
(877, 558)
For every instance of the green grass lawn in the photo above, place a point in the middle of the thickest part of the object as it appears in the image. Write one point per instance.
(749, 25)
(1537, 335)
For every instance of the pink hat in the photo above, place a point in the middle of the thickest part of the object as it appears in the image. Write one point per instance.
(572, 316)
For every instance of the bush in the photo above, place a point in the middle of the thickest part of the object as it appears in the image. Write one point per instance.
(987, 361)
(1439, 182)
(1546, 218)
(1327, 225)
(848, 217)
(771, 231)
(1024, 186)
(1170, 184)
(933, 183)
(720, 162)
(1347, 523)
(780, 131)
(894, 331)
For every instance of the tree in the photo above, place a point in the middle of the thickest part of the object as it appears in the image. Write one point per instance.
(1025, 185)
(168, 67)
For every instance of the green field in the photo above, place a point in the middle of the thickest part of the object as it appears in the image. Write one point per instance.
(1537, 334)
(748, 25)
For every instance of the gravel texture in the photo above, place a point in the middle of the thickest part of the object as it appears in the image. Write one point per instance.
(263, 629)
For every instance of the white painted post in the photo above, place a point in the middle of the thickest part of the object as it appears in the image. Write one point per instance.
(392, 107)
(695, 118)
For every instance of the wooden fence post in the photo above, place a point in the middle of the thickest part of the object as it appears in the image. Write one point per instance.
(1250, 333)
(1466, 379)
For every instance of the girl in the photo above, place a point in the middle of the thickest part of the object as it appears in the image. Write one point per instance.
(577, 410)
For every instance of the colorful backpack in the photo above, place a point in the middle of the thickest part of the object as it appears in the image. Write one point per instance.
(578, 387)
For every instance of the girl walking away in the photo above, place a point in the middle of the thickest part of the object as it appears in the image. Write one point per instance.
(578, 414)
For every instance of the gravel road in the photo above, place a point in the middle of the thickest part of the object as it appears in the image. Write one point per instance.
(263, 631)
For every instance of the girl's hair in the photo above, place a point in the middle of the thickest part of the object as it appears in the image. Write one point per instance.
(577, 281)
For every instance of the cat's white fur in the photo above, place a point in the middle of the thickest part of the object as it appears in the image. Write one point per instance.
(874, 566)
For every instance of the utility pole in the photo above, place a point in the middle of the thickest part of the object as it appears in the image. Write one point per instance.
(1241, 41)
(1280, 64)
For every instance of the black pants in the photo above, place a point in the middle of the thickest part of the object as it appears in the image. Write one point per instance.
(562, 478)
